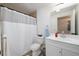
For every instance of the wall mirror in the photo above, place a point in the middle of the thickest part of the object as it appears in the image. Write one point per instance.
(64, 20)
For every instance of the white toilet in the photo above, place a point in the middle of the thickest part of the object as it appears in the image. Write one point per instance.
(36, 46)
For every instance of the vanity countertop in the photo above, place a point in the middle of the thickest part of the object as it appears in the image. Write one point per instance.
(71, 39)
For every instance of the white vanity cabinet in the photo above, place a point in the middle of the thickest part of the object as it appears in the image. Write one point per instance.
(52, 50)
(56, 48)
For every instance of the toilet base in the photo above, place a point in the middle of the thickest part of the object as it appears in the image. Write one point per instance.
(36, 53)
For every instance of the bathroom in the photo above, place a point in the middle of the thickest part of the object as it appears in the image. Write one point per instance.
(35, 29)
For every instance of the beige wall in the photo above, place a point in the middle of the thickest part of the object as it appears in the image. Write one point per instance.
(43, 18)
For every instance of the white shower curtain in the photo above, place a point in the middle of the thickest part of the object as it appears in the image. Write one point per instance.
(19, 31)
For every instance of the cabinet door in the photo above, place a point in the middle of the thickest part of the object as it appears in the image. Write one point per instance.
(52, 50)
(69, 53)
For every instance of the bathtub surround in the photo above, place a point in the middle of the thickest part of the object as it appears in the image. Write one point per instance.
(19, 29)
